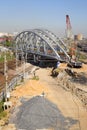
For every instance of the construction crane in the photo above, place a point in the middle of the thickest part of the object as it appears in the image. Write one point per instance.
(69, 34)
(73, 46)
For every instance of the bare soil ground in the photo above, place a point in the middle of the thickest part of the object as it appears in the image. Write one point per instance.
(69, 104)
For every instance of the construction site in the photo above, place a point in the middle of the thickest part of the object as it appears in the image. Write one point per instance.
(43, 82)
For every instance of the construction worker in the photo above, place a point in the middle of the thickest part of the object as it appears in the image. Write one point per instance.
(56, 66)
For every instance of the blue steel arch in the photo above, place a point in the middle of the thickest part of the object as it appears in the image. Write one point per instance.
(41, 42)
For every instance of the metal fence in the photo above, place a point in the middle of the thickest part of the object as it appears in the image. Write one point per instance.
(15, 81)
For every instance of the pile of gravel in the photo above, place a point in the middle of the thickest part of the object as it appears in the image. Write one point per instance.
(39, 113)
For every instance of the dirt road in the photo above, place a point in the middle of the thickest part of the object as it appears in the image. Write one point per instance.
(68, 104)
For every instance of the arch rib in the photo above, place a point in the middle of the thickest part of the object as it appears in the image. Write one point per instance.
(49, 38)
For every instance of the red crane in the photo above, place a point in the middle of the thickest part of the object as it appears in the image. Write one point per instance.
(68, 27)
(73, 62)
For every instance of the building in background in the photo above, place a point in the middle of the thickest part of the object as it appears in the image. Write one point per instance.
(5, 37)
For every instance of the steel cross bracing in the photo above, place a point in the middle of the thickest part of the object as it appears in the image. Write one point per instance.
(41, 42)
(54, 37)
(57, 42)
(32, 42)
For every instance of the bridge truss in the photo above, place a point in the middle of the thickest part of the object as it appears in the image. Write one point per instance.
(41, 42)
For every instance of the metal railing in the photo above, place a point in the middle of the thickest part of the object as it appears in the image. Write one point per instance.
(18, 79)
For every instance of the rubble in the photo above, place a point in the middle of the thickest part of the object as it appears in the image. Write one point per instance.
(75, 83)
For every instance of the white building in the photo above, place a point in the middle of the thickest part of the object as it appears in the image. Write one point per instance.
(5, 34)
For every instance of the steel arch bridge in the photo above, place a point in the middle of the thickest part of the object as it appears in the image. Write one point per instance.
(41, 43)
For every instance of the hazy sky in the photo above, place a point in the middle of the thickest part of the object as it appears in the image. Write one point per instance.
(18, 15)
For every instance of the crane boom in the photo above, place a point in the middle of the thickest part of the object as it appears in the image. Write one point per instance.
(68, 27)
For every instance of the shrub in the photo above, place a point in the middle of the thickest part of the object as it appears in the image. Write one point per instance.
(2, 112)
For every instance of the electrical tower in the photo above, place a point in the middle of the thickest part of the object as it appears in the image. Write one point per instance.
(69, 34)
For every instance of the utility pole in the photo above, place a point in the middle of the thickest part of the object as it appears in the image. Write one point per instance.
(16, 63)
(6, 75)
(23, 64)
(26, 56)
(16, 60)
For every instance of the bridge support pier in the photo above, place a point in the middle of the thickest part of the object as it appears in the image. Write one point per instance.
(35, 59)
